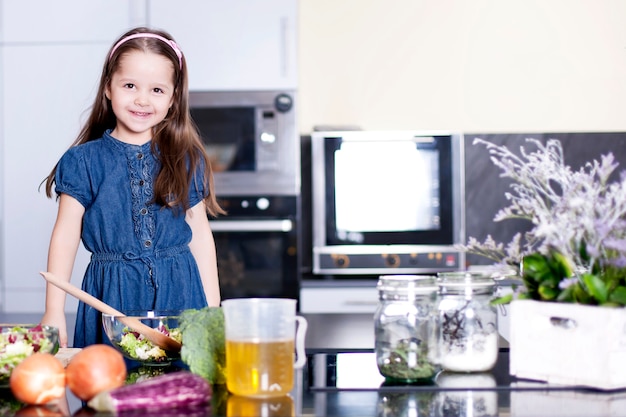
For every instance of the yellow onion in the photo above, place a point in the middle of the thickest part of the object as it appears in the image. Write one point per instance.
(38, 379)
(94, 369)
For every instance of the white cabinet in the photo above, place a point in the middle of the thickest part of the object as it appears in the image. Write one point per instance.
(80, 21)
(42, 113)
(337, 299)
(234, 44)
(51, 57)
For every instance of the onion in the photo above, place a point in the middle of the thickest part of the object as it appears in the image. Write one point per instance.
(40, 411)
(38, 379)
(94, 369)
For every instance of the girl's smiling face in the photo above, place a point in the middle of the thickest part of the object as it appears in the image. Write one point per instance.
(141, 93)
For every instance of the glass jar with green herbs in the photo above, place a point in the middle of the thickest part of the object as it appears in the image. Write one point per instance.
(405, 328)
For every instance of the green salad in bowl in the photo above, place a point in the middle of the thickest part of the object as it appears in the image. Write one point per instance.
(136, 346)
(18, 341)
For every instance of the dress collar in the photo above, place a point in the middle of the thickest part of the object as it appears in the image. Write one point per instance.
(125, 146)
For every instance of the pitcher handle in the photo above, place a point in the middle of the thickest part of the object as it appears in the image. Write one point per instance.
(300, 334)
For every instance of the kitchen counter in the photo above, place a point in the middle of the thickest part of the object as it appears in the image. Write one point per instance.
(345, 382)
(348, 384)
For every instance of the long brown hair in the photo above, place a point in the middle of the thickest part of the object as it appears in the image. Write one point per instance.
(180, 149)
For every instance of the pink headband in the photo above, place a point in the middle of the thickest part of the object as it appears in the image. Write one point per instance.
(170, 42)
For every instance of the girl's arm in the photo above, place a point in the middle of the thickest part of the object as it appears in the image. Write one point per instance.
(61, 256)
(202, 247)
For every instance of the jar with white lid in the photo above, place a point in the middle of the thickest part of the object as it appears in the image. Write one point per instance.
(405, 328)
(468, 330)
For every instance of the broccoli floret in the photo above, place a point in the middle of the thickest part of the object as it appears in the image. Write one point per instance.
(204, 343)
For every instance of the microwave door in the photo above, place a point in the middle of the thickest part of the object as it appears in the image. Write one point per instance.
(228, 134)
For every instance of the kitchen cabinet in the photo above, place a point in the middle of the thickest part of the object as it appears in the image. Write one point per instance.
(233, 45)
(51, 56)
(357, 297)
(41, 119)
(78, 21)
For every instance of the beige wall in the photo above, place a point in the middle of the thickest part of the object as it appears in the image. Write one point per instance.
(479, 65)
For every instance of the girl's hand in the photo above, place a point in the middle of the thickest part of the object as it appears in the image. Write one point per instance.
(57, 320)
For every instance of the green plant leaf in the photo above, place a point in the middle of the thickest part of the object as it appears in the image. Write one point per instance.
(618, 295)
(596, 287)
(535, 267)
(567, 295)
(611, 304)
(560, 265)
(505, 299)
(548, 293)
(580, 295)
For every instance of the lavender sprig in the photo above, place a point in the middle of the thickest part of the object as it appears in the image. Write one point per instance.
(568, 210)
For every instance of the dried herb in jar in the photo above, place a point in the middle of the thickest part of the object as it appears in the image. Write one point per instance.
(408, 361)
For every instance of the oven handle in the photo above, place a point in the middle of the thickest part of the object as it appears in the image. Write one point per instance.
(284, 225)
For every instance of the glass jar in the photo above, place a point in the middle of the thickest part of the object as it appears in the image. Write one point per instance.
(466, 394)
(468, 330)
(405, 328)
(417, 403)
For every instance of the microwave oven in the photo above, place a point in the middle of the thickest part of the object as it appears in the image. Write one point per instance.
(252, 140)
(387, 202)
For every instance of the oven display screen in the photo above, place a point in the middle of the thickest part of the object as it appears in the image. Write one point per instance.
(386, 186)
(381, 191)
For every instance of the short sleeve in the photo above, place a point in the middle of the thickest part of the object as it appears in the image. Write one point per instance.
(197, 189)
(72, 177)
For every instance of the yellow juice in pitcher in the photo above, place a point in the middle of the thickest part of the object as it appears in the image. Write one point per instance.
(238, 406)
(259, 369)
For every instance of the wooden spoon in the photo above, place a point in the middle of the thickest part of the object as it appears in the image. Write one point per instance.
(151, 334)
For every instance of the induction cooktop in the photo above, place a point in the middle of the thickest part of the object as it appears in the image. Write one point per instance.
(358, 371)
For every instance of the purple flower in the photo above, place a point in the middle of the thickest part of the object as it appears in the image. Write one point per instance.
(567, 282)
(567, 210)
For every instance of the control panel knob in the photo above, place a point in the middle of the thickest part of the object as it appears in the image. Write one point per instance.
(392, 260)
(283, 102)
(341, 261)
(262, 203)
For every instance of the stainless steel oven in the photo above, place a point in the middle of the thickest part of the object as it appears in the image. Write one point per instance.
(252, 140)
(386, 202)
(257, 247)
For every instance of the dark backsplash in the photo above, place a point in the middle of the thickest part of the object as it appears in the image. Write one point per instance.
(484, 188)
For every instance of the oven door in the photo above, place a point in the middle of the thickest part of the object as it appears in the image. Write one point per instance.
(257, 258)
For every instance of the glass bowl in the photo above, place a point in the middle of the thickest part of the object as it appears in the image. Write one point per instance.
(136, 346)
(18, 341)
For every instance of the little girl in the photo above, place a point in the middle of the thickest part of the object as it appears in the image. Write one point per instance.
(136, 186)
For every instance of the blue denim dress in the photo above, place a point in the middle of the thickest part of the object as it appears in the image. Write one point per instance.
(140, 256)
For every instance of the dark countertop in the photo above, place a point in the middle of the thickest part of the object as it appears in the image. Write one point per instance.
(348, 384)
(345, 382)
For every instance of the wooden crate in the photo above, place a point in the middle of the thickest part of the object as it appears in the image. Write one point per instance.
(568, 344)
